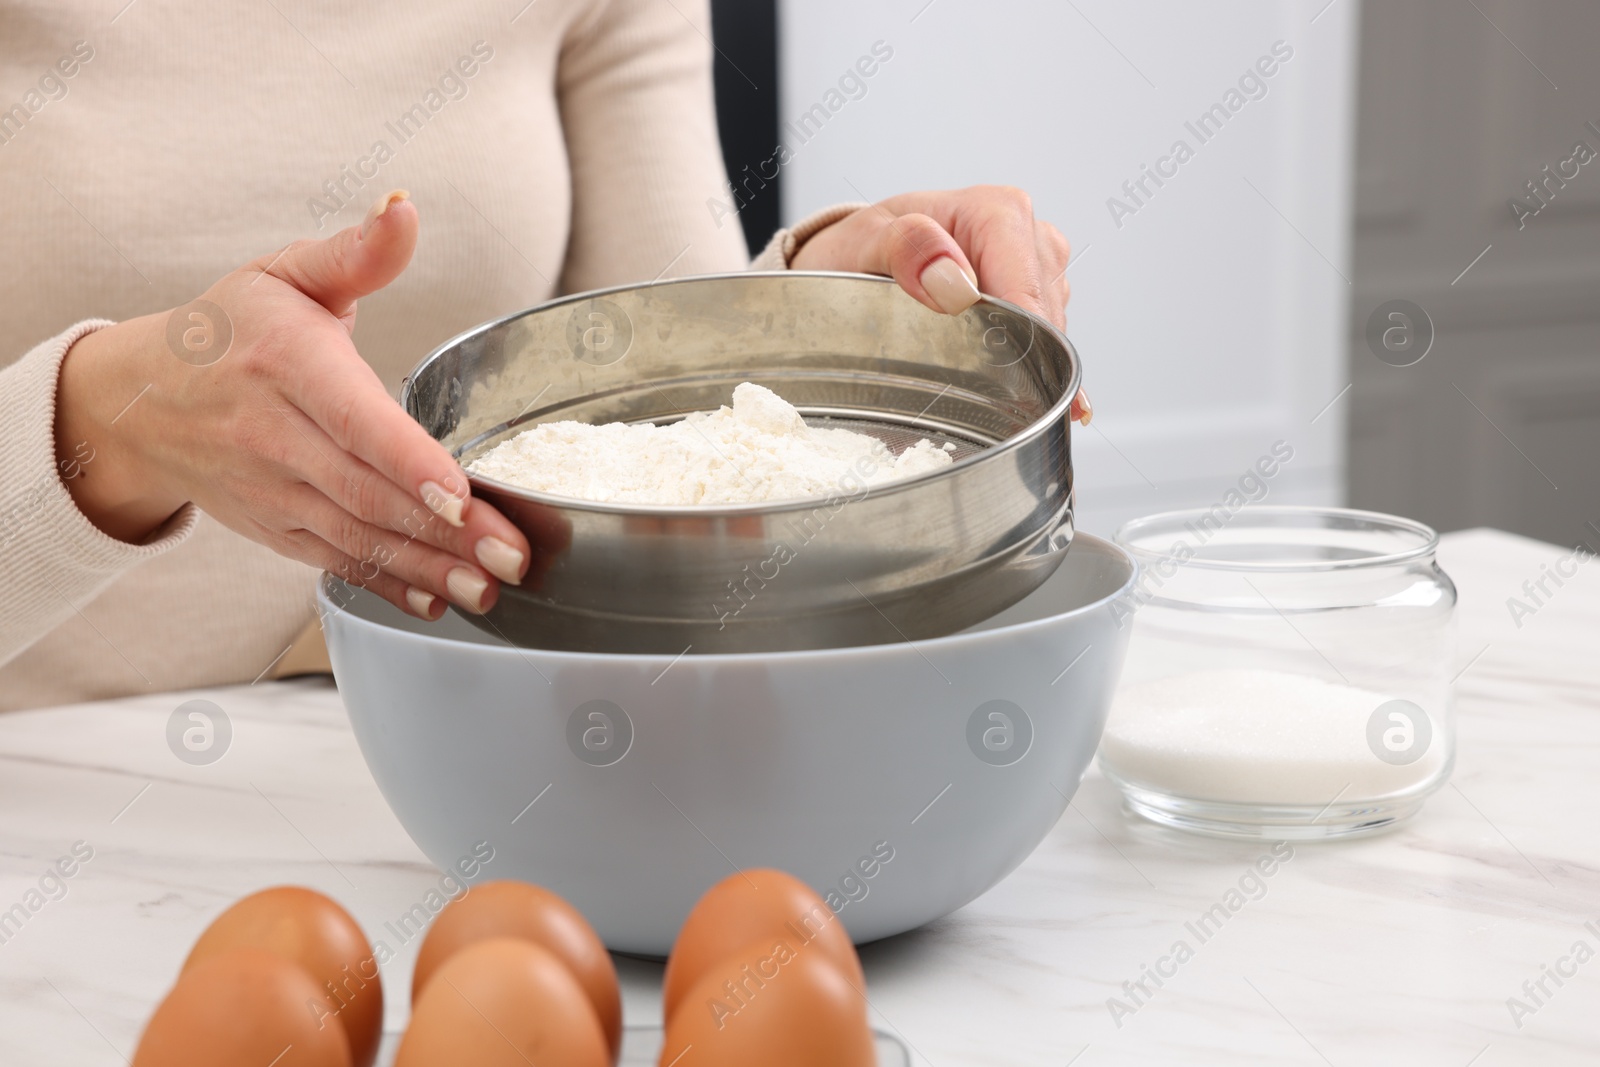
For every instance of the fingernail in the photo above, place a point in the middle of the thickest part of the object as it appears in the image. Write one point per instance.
(421, 602)
(448, 506)
(949, 286)
(499, 559)
(383, 204)
(1082, 410)
(466, 588)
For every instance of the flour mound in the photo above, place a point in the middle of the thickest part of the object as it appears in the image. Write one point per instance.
(758, 450)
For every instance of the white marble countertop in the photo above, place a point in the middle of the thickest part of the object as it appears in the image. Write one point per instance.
(1398, 949)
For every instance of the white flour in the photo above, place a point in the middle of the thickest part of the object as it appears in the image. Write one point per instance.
(760, 449)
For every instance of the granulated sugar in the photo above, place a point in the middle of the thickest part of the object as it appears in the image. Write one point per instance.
(760, 449)
(1254, 737)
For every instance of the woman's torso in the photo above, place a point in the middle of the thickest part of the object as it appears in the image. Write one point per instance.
(191, 138)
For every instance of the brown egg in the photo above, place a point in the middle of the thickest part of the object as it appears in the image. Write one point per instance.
(503, 1002)
(533, 913)
(778, 1003)
(243, 1008)
(754, 905)
(308, 929)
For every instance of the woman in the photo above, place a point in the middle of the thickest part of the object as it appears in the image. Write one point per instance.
(164, 511)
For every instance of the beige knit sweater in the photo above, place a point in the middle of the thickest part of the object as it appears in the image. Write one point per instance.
(145, 152)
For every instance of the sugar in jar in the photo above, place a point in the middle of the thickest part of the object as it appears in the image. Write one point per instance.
(1288, 673)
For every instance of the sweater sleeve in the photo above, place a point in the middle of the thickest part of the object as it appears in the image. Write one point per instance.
(780, 250)
(648, 184)
(650, 194)
(52, 558)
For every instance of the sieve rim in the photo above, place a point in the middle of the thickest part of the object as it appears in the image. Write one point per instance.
(1058, 410)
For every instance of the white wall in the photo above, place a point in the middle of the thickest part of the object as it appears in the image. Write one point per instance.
(1208, 326)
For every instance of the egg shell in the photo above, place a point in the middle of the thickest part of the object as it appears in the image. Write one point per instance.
(777, 1004)
(754, 905)
(313, 931)
(504, 1002)
(243, 1008)
(520, 909)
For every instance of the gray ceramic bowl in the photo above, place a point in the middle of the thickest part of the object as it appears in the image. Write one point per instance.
(899, 780)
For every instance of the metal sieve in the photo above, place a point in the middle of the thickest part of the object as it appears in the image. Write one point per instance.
(913, 559)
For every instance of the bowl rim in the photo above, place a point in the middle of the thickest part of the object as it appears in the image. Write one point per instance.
(1058, 411)
(325, 608)
(1426, 546)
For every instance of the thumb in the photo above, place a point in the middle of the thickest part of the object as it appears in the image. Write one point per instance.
(926, 260)
(356, 261)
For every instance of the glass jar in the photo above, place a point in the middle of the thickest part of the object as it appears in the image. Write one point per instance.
(1288, 674)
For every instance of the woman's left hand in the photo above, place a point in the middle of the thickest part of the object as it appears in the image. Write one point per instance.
(944, 247)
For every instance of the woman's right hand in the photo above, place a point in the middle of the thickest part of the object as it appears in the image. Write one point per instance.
(289, 437)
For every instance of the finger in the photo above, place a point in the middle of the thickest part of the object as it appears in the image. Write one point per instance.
(1053, 252)
(550, 534)
(924, 258)
(486, 536)
(309, 548)
(1081, 410)
(343, 396)
(995, 225)
(376, 549)
(354, 262)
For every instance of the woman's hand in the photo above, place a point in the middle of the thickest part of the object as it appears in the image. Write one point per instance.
(943, 247)
(283, 432)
